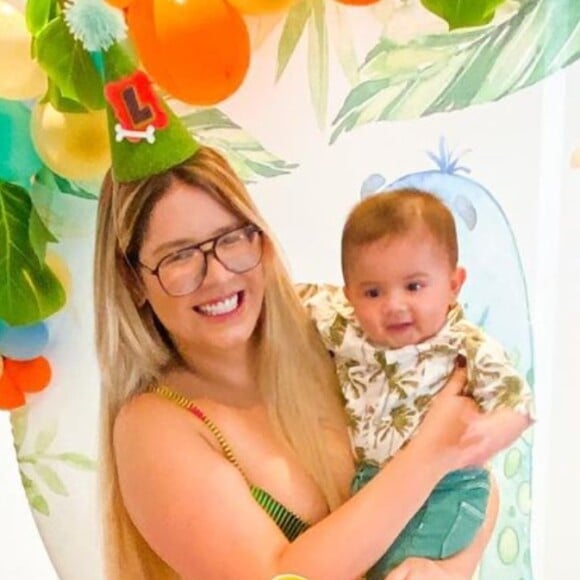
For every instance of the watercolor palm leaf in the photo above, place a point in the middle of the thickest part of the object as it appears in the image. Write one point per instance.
(246, 155)
(39, 466)
(316, 16)
(450, 71)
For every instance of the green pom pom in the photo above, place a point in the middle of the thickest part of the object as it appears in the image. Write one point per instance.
(95, 24)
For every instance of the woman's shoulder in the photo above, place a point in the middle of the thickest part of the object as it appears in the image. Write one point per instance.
(148, 421)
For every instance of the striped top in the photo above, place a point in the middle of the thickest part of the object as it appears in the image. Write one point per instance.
(289, 523)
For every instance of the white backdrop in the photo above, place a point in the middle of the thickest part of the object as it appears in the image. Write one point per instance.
(520, 150)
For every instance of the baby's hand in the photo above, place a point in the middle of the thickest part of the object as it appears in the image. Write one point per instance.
(492, 432)
(422, 569)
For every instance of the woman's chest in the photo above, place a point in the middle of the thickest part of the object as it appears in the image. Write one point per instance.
(269, 463)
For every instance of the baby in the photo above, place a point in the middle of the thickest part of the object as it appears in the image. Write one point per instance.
(395, 332)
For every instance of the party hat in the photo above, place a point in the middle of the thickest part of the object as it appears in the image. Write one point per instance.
(147, 138)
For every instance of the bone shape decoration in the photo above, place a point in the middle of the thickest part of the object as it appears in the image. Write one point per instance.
(122, 133)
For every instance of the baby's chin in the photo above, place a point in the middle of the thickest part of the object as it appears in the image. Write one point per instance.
(404, 335)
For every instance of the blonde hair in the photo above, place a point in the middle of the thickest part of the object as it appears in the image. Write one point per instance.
(394, 213)
(295, 373)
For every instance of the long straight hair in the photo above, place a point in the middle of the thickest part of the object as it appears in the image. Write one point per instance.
(294, 373)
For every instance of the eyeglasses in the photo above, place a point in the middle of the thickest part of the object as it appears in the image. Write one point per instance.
(182, 272)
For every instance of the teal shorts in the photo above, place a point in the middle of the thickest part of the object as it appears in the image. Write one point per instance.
(444, 525)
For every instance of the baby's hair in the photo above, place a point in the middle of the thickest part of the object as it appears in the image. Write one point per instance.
(394, 213)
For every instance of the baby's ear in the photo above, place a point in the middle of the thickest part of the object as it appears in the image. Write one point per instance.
(457, 279)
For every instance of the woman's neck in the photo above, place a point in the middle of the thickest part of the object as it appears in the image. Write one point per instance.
(224, 375)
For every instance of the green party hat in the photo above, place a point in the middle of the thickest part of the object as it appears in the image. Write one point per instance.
(146, 137)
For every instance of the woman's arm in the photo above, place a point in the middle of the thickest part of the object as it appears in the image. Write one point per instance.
(195, 510)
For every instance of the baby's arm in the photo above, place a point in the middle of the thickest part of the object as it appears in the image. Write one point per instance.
(502, 393)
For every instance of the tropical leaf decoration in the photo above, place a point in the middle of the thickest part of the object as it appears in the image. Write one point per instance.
(450, 71)
(314, 16)
(460, 14)
(74, 84)
(39, 467)
(247, 156)
(29, 291)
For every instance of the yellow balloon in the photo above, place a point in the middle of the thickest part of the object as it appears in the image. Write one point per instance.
(73, 145)
(20, 76)
(59, 269)
(260, 6)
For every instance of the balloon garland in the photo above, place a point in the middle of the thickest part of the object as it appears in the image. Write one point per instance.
(54, 128)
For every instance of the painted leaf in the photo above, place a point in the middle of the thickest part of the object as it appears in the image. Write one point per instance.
(318, 61)
(44, 439)
(246, 155)
(29, 291)
(19, 421)
(35, 498)
(459, 13)
(69, 65)
(77, 460)
(51, 478)
(293, 29)
(452, 71)
(343, 43)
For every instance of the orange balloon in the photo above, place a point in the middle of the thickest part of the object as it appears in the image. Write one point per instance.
(120, 4)
(358, 2)
(260, 6)
(11, 397)
(197, 50)
(30, 376)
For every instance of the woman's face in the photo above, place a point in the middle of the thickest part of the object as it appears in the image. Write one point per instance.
(222, 313)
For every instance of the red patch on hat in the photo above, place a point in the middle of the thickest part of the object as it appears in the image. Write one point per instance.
(134, 102)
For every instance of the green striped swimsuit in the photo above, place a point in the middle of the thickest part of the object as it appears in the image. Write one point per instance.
(289, 523)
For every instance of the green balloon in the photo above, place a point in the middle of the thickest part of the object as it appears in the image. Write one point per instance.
(18, 158)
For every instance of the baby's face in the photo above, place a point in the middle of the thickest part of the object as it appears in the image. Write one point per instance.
(401, 288)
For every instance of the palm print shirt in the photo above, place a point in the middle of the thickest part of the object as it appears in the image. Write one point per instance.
(387, 391)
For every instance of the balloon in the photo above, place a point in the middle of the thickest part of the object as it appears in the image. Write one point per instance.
(30, 376)
(23, 342)
(358, 2)
(20, 76)
(59, 269)
(11, 397)
(120, 4)
(197, 50)
(19, 377)
(260, 6)
(18, 158)
(73, 145)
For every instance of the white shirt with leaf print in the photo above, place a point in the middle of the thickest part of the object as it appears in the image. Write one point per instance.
(387, 391)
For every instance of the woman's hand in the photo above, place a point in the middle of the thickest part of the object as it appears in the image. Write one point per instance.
(422, 569)
(447, 431)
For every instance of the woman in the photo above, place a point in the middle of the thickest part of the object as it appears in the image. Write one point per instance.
(194, 307)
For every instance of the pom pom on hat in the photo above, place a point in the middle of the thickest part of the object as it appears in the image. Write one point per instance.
(95, 24)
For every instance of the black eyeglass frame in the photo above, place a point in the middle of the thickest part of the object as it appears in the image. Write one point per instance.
(249, 227)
